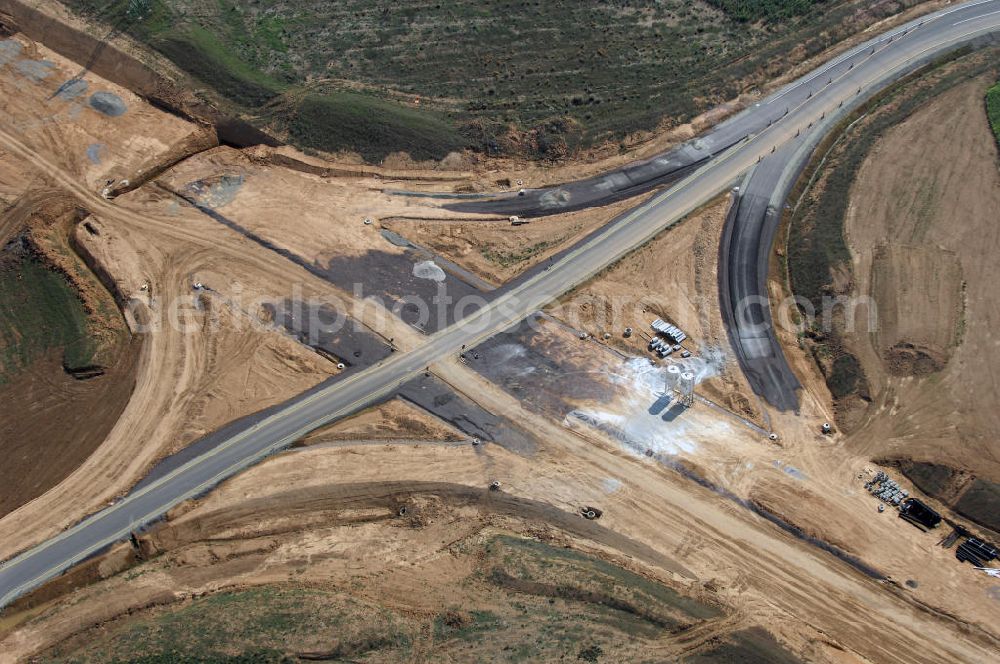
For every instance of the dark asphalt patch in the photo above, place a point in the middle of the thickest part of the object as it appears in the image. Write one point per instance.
(536, 368)
(436, 397)
(330, 332)
(425, 304)
(72, 89)
(108, 103)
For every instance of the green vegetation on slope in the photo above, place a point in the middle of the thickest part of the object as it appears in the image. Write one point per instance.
(537, 79)
(525, 601)
(198, 52)
(755, 10)
(39, 312)
(993, 109)
(333, 121)
(374, 127)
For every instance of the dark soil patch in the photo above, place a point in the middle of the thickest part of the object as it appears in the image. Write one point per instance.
(981, 503)
(50, 422)
(108, 103)
(750, 646)
(536, 367)
(937, 480)
(906, 359)
(975, 498)
(425, 304)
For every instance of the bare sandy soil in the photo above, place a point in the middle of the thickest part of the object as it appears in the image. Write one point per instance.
(329, 515)
(498, 251)
(318, 216)
(90, 128)
(396, 419)
(922, 228)
(202, 363)
(210, 355)
(674, 278)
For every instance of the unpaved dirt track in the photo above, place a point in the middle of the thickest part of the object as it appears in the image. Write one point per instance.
(758, 572)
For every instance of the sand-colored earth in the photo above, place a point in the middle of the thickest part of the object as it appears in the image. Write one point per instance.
(396, 419)
(497, 251)
(923, 232)
(91, 128)
(690, 534)
(207, 356)
(317, 216)
(203, 359)
(328, 513)
(813, 481)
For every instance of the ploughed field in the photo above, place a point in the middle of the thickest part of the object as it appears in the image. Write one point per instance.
(537, 79)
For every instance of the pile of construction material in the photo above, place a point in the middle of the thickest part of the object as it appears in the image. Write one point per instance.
(886, 489)
(976, 552)
(919, 514)
(670, 331)
(661, 347)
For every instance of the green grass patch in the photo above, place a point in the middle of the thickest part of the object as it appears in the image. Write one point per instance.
(755, 10)
(258, 625)
(578, 576)
(372, 126)
(574, 617)
(509, 258)
(40, 312)
(993, 109)
(201, 54)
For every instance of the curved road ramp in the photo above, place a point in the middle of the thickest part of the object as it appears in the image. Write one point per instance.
(743, 266)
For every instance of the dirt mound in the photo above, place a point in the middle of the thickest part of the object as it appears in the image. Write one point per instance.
(919, 294)
(906, 359)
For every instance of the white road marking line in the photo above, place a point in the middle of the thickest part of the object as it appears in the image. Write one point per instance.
(975, 18)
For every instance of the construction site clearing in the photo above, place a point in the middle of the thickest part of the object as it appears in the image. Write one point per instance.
(661, 511)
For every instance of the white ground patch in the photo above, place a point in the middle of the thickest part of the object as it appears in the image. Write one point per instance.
(611, 484)
(645, 418)
(504, 354)
(428, 270)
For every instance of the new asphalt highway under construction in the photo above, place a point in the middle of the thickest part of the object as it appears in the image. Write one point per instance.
(702, 169)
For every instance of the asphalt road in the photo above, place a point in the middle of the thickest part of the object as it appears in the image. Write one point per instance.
(744, 254)
(806, 100)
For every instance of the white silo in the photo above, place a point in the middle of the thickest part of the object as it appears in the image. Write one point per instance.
(685, 389)
(670, 380)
